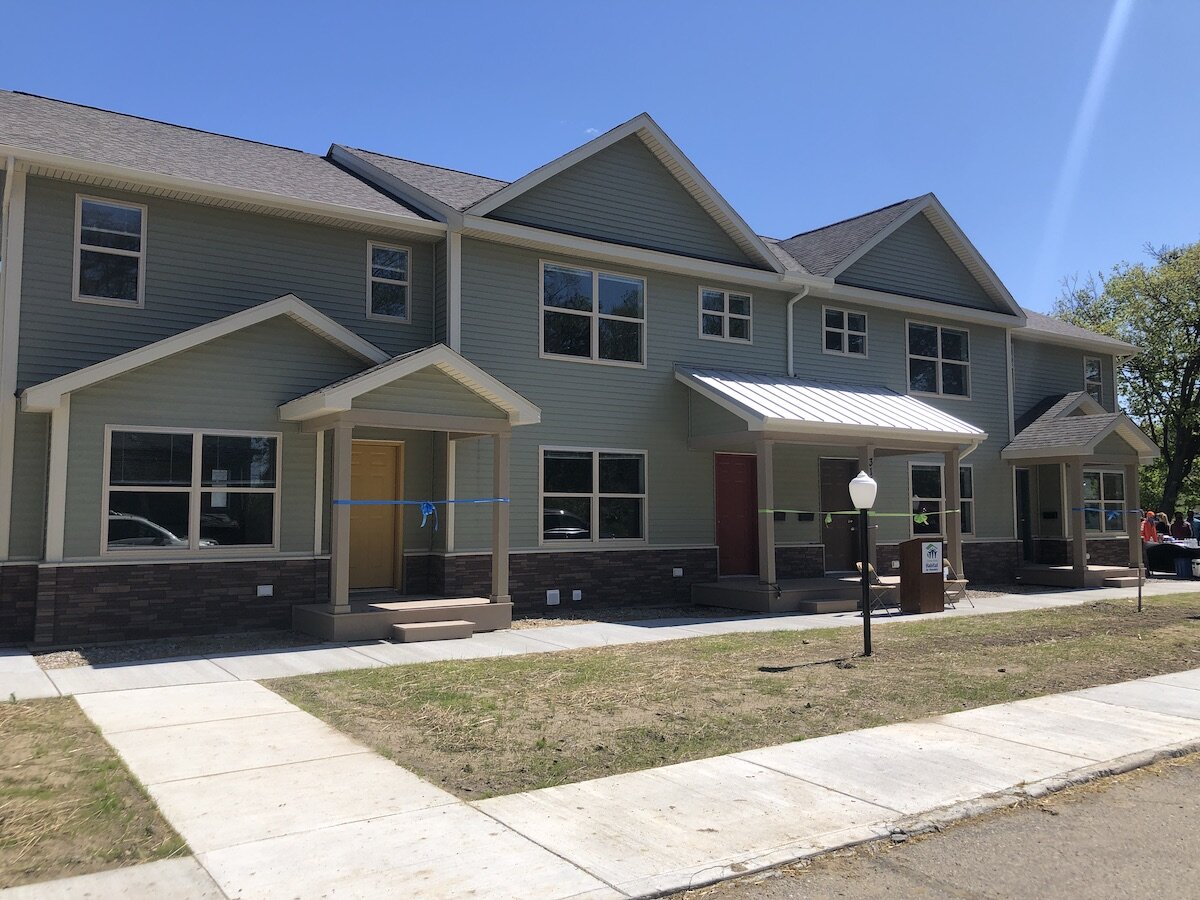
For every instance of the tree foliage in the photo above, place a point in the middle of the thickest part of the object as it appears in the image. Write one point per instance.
(1155, 307)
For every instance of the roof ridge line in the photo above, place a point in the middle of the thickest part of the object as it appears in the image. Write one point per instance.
(417, 162)
(851, 218)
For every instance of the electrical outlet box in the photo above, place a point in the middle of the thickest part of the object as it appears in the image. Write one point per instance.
(265, 590)
(576, 596)
(552, 598)
(677, 572)
(895, 563)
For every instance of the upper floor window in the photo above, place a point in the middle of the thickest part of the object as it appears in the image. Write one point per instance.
(596, 316)
(388, 276)
(1093, 378)
(939, 360)
(845, 332)
(724, 315)
(110, 244)
(1103, 501)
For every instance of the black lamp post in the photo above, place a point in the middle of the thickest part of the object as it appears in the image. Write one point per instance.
(862, 495)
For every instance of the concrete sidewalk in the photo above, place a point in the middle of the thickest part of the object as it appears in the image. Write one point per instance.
(274, 802)
(21, 677)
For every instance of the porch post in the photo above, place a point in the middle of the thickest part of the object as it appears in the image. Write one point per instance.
(501, 486)
(952, 521)
(766, 518)
(866, 462)
(1073, 472)
(339, 521)
(1133, 520)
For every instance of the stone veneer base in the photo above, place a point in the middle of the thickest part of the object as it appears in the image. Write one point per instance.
(18, 603)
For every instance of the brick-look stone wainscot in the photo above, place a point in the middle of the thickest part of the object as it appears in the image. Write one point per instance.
(606, 577)
(18, 603)
(800, 562)
(991, 562)
(1101, 552)
(92, 604)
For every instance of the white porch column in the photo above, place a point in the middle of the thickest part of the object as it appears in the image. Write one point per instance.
(339, 520)
(1133, 520)
(766, 518)
(951, 521)
(1073, 472)
(501, 485)
(56, 481)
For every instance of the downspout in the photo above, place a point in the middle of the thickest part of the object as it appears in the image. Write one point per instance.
(791, 348)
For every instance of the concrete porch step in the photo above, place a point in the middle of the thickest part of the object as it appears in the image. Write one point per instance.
(446, 630)
(826, 606)
(1121, 581)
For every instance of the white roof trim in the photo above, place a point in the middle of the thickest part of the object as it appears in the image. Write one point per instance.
(48, 395)
(675, 162)
(781, 404)
(339, 397)
(366, 169)
(957, 241)
(1099, 344)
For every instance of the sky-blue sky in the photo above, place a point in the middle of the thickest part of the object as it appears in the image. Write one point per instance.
(800, 113)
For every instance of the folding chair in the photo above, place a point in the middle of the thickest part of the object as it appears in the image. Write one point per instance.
(881, 595)
(956, 588)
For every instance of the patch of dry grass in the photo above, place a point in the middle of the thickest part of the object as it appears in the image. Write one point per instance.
(68, 806)
(495, 726)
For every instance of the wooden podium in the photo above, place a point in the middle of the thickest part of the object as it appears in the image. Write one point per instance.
(922, 584)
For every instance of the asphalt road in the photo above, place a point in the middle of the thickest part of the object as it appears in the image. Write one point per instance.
(1134, 836)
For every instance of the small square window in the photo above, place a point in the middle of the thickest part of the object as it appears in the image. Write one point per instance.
(725, 315)
(845, 332)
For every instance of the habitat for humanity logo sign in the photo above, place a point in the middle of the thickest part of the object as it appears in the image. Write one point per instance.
(931, 557)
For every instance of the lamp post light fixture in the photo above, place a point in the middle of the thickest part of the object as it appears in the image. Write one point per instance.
(862, 494)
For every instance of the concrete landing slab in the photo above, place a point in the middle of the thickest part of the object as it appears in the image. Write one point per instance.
(179, 879)
(117, 711)
(510, 643)
(449, 851)
(390, 654)
(304, 661)
(288, 799)
(1098, 731)
(22, 678)
(688, 824)
(230, 745)
(1153, 696)
(131, 676)
(914, 767)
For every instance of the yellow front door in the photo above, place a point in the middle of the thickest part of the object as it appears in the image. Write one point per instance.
(375, 531)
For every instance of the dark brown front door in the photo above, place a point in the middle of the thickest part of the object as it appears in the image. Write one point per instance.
(840, 534)
(737, 514)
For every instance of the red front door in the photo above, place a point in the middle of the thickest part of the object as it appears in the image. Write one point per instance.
(737, 514)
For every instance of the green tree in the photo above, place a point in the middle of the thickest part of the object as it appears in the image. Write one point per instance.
(1155, 307)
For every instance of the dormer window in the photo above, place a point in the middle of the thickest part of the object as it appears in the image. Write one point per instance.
(110, 243)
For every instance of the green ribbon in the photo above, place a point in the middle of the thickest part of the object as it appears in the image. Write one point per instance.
(918, 518)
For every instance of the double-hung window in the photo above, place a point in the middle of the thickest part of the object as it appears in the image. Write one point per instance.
(189, 490)
(590, 315)
(845, 332)
(593, 495)
(725, 315)
(929, 498)
(966, 499)
(1103, 501)
(1093, 378)
(939, 360)
(110, 252)
(387, 272)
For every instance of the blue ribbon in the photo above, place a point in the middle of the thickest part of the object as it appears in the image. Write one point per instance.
(428, 507)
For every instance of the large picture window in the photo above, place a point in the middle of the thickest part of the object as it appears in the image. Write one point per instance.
(939, 360)
(110, 243)
(594, 316)
(725, 315)
(189, 490)
(388, 278)
(1103, 501)
(593, 495)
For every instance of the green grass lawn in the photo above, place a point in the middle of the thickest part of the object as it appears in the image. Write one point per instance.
(495, 726)
(68, 805)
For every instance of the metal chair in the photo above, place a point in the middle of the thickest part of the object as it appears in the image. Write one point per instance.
(882, 595)
(956, 588)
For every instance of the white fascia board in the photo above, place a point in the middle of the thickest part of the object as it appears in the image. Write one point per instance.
(873, 433)
(1132, 435)
(210, 189)
(754, 421)
(741, 233)
(368, 171)
(928, 308)
(1101, 344)
(621, 254)
(1046, 452)
(47, 396)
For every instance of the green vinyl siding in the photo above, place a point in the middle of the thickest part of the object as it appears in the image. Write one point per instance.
(916, 261)
(235, 382)
(1050, 370)
(625, 195)
(31, 446)
(1115, 445)
(429, 391)
(201, 263)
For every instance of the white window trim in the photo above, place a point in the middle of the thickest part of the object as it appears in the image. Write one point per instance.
(595, 315)
(194, 492)
(912, 525)
(962, 499)
(594, 496)
(1098, 380)
(372, 278)
(845, 332)
(140, 255)
(908, 357)
(1102, 471)
(724, 315)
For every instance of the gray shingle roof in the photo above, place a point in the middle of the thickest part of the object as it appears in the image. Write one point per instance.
(821, 250)
(456, 189)
(1062, 432)
(1043, 324)
(95, 135)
